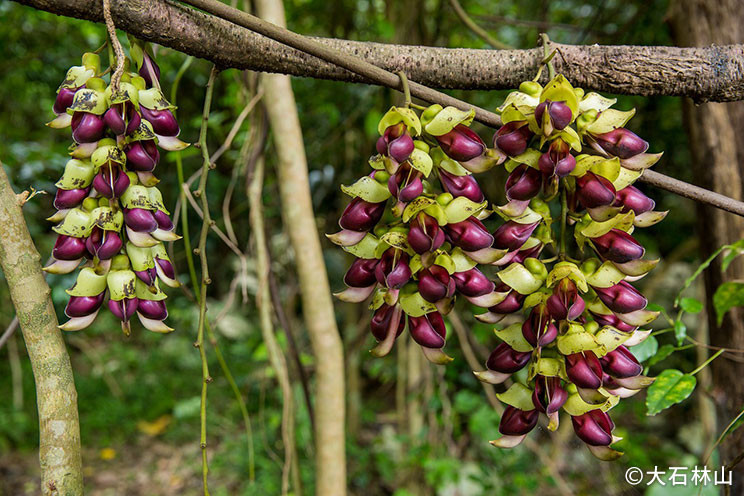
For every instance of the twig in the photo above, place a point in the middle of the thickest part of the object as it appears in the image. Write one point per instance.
(118, 50)
(391, 80)
(236, 126)
(276, 357)
(12, 327)
(284, 323)
(475, 28)
(205, 279)
(693, 192)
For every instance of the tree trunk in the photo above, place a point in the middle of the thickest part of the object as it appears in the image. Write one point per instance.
(59, 429)
(299, 219)
(714, 131)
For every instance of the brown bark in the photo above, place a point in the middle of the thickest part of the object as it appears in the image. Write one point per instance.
(317, 306)
(714, 73)
(717, 157)
(59, 429)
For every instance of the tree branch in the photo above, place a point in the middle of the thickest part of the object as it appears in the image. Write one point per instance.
(59, 443)
(714, 73)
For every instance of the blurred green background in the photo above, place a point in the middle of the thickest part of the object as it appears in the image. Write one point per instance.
(139, 396)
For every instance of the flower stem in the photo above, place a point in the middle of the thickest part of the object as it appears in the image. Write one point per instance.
(205, 279)
(118, 50)
(406, 88)
(705, 363)
(547, 55)
(564, 223)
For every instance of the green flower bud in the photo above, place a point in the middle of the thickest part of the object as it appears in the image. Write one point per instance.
(121, 284)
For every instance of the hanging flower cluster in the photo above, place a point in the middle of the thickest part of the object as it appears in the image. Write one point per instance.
(110, 214)
(418, 242)
(563, 284)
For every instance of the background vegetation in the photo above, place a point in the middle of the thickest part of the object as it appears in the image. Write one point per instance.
(422, 431)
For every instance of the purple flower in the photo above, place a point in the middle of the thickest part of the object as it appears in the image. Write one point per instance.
(393, 271)
(512, 138)
(548, 396)
(87, 127)
(594, 428)
(435, 283)
(396, 143)
(621, 143)
(149, 70)
(69, 248)
(516, 422)
(622, 298)
(465, 186)
(360, 215)
(510, 304)
(557, 160)
(631, 198)
(142, 156)
(594, 190)
(584, 370)
(151, 309)
(428, 330)
(473, 283)
(70, 198)
(470, 234)
(381, 321)
(539, 329)
(82, 306)
(361, 273)
(406, 183)
(507, 360)
(565, 303)
(163, 121)
(103, 244)
(612, 320)
(523, 183)
(559, 113)
(140, 220)
(461, 144)
(64, 100)
(425, 234)
(620, 363)
(111, 181)
(123, 309)
(148, 276)
(512, 235)
(122, 118)
(618, 246)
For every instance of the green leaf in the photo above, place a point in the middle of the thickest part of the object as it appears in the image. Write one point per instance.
(671, 387)
(660, 355)
(646, 349)
(727, 296)
(735, 250)
(680, 331)
(691, 305)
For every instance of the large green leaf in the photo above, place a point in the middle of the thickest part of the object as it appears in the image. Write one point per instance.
(671, 387)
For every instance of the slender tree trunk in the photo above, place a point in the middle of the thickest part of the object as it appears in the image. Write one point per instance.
(59, 430)
(317, 306)
(717, 147)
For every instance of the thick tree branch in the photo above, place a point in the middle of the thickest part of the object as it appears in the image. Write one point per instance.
(59, 443)
(713, 73)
